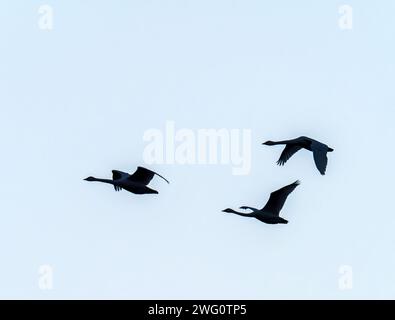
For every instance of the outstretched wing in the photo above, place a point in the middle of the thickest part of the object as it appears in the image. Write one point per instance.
(288, 152)
(116, 175)
(144, 176)
(277, 198)
(319, 153)
(321, 160)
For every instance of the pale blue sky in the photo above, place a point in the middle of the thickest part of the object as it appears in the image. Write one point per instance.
(75, 101)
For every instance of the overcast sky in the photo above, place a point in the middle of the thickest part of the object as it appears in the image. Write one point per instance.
(76, 101)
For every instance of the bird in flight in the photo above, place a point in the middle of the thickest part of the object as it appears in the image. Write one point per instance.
(292, 146)
(270, 213)
(135, 183)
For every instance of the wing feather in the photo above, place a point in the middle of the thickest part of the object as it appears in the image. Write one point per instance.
(144, 176)
(321, 160)
(288, 152)
(278, 198)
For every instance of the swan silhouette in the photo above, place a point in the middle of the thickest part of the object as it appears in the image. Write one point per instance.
(292, 146)
(270, 212)
(135, 183)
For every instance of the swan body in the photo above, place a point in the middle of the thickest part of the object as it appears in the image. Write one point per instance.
(270, 213)
(319, 150)
(135, 183)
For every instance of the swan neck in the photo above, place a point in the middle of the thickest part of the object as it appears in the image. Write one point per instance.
(104, 180)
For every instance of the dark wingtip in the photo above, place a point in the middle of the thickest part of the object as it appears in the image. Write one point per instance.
(297, 182)
(162, 177)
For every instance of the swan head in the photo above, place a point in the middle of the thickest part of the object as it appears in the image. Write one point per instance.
(228, 210)
(90, 179)
(269, 143)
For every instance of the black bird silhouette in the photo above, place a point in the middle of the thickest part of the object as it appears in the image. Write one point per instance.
(271, 211)
(292, 146)
(134, 183)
